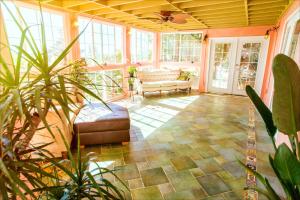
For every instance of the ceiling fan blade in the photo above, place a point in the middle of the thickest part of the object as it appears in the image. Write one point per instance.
(179, 22)
(180, 16)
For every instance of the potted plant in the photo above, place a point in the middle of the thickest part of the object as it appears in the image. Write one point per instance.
(132, 71)
(131, 83)
(23, 105)
(78, 73)
(286, 119)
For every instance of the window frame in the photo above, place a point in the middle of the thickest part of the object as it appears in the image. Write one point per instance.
(180, 48)
(153, 45)
(289, 28)
(65, 15)
(123, 41)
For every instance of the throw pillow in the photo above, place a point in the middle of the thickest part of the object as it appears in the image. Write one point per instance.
(184, 76)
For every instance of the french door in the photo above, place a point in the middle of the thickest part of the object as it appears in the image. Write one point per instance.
(235, 63)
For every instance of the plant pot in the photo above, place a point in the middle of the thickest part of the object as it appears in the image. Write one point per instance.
(130, 87)
(131, 75)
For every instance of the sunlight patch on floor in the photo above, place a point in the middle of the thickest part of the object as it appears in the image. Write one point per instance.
(149, 118)
(103, 164)
(179, 102)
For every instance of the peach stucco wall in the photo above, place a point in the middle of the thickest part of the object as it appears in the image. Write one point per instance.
(275, 48)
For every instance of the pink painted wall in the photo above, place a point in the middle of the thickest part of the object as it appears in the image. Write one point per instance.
(228, 32)
(275, 48)
(275, 45)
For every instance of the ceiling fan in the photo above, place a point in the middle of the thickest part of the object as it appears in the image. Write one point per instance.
(169, 16)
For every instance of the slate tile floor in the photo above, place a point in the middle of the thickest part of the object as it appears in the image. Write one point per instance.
(183, 147)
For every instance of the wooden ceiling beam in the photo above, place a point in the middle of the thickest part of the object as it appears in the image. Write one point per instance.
(204, 13)
(120, 2)
(266, 15)
(116, 15)
(241, 15)
(238, 4)
(88, 7)
(143, 4)
(180, 1)
(72, 3)
(260, 2)
(262, 20)
(46, 1)
(221, 13)
(201, 3)
(246, 12)
(263, 12)
(266, 6)
(103, 11)
(129, 12)
(153, 9)
(226, 21)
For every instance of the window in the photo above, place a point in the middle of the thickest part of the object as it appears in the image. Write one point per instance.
(101, 42)
(54, 30)
(107, 82)
(141, 46)
(291, 39)
(181, 47)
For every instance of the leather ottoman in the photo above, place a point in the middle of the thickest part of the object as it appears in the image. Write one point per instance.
(96, 124)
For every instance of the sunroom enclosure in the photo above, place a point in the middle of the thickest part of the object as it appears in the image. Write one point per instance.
(109, 48)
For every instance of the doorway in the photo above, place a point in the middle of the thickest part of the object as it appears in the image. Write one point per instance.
(235, 63)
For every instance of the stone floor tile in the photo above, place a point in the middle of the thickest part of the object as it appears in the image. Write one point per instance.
(147, 193)
(134, 157)
(213, 184)
(165, 188)
(208, 165)
(192, 194)
(237, 184)
(183, 163)
(211, 130)
(153, 176)
(135, 183)
(127, 172)
(234, 168)
(183, 180)
(196, 172)
(169, 169)
(233, 195)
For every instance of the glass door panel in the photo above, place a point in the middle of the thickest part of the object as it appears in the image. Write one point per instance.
(248, 65)
(221, 62)
(249, 59)
(235, 63)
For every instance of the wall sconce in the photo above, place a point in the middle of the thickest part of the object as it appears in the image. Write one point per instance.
(274, 28)
(205, 38)
(75, 23)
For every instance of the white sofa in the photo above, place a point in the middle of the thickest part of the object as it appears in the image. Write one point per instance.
(158, 80)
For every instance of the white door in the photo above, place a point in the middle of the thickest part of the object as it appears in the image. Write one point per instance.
(222, 61)
(245, 61)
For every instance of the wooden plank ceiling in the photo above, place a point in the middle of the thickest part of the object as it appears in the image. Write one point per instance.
(203, 13)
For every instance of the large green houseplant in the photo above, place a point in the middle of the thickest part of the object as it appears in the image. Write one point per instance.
(286, 119)
(26, 97)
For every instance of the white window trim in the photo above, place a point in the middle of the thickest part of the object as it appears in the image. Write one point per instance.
(180, 62)
(136, 42)
(123, 42)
